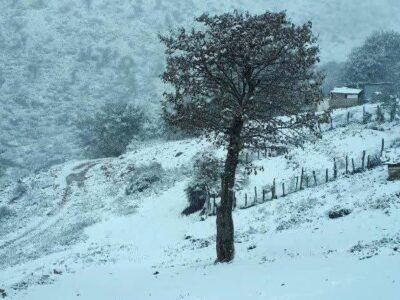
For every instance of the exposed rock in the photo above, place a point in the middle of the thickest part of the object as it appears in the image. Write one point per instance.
(178, 154)
(57, 272)
(336, 213)
(251, 247)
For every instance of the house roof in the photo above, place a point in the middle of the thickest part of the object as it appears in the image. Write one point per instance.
(346, 90)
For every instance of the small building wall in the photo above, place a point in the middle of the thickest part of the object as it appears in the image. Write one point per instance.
(341, 101)
(394, 171)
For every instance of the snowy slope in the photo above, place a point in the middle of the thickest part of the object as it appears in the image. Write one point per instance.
(64, 58)
(74, 230)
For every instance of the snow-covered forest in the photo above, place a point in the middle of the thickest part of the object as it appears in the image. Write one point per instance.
(63, 59)
(124, 154)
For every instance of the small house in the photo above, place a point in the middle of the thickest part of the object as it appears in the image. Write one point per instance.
(345, 97)
(394, 171)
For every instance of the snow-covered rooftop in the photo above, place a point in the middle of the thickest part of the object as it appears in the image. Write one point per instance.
(346, 90)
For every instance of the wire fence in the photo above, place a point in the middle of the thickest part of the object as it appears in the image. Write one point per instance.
(341, 167)
(345, 166)
(326, 123)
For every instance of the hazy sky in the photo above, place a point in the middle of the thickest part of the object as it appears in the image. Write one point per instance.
(340, 24)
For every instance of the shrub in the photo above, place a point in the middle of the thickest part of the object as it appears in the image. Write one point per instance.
(338, 212)
(144, 178)
(5, 212)
(109, 131)
(374, 161)
(197, 197)
(207, 170)
(367, 117)
(173, 133)
(380, 97)
(380, 116)
(391, 106)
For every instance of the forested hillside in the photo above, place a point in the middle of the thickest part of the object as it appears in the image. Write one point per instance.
(62, 59)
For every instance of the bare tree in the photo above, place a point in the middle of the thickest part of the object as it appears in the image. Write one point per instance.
(242, 81)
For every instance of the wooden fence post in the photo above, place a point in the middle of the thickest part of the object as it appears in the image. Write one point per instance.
(315, 178)
(301, 178)
(255, 195)
(327, 175)
(297, 183)
(273, 190)
(263, 198)
(353, 165)
(307, 181)
(245, 200)
(382, 146)
(368, 162)
(348, 117)
(363, 160)
(334, 169)
(247, 158)
(283, 189)
(347, 164)
(364, 116)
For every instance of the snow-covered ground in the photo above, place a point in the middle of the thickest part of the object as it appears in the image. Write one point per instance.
(112, 228)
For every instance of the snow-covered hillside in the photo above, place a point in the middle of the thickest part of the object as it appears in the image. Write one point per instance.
(112, 229)
(64, 58)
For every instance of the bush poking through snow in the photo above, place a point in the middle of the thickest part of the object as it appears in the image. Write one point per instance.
(197, 196)
(207, 170)
(338, 212)
(390, 105)
(380, 115)
(144, 178)
(74, 232)
(367, 117)
(5, 213)
(108, 132)
(18, 192)
(374, 161)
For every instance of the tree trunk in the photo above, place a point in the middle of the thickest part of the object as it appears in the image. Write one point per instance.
(225, 230)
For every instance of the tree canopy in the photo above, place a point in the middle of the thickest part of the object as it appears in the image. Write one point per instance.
(376, 61)
(239, 65)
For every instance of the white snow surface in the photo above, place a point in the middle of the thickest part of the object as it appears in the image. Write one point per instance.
(346, 90)
(74, 233)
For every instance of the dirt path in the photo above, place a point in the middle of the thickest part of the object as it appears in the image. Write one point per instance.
(76, 175)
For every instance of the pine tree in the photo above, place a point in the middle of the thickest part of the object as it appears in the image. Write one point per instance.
(242, 81)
